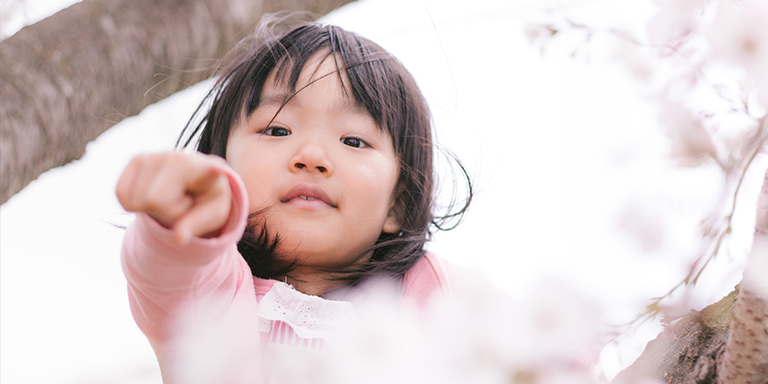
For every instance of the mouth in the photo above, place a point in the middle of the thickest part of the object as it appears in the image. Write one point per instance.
(307, 195)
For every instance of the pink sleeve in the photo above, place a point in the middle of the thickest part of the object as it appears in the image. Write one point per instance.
(427, 277)
(166, 280)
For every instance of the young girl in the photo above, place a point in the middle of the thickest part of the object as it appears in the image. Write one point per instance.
(327, 181)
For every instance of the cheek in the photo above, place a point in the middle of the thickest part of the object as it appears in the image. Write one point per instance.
(257, 175)
(376, 187)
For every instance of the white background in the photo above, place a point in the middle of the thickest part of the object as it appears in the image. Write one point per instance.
(561, 145)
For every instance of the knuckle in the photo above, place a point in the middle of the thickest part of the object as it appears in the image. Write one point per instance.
(157, 202)
(153, 205)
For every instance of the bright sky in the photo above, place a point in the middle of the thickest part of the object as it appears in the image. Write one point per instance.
(562, 148)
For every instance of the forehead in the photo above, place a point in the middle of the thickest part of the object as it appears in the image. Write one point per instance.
(322, 73)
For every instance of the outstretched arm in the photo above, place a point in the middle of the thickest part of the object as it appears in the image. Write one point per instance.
(187, 284)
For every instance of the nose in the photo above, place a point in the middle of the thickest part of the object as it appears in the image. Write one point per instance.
(311, 157)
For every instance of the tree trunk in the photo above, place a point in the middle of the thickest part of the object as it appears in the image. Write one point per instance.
(66, 79)
(725, 343)
(745, 360)
(689, 349)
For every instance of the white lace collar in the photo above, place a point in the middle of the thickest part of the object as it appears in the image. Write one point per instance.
(309, 316)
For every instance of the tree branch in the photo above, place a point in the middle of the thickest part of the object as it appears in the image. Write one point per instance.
(66, 79)
(745, 360)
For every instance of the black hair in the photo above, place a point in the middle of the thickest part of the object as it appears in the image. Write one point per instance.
(377, 82)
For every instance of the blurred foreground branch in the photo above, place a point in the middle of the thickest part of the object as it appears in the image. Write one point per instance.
(726, 342)
(710, 116)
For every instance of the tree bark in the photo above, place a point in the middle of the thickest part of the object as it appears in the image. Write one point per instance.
(745, 359)
(688, 350)
(66, 79)
(745, 356)
(725, 343)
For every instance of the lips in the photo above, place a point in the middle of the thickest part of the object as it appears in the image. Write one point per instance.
(307, 193)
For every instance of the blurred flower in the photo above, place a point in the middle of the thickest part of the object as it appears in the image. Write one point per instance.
(556, 324)
(757, 266)
(691, 142)
(213, 345)
(761, 222)
(536, 31)
(674, 20)
(627, 51)
(475, 334)
(384, 345)
(472, 335)
(738, 35)
(292, 365)
(644, 225)
(682, 6)
(12, 12)
(482, 335)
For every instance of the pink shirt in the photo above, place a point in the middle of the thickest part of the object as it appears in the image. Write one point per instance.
(176, 290)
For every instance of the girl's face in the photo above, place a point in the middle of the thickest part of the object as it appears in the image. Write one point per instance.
(320, 168)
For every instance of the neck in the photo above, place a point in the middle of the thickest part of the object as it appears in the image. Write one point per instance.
(316, 280)
(311, 282)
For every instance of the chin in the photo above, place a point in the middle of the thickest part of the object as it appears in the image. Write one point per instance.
(325, 258)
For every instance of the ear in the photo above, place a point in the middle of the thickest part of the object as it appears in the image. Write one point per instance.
(390, 225)
(394, 217)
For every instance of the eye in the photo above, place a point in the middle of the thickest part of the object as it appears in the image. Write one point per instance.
(354, 142)
(276, 131)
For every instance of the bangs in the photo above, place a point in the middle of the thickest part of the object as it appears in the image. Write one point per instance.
(367, 66)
